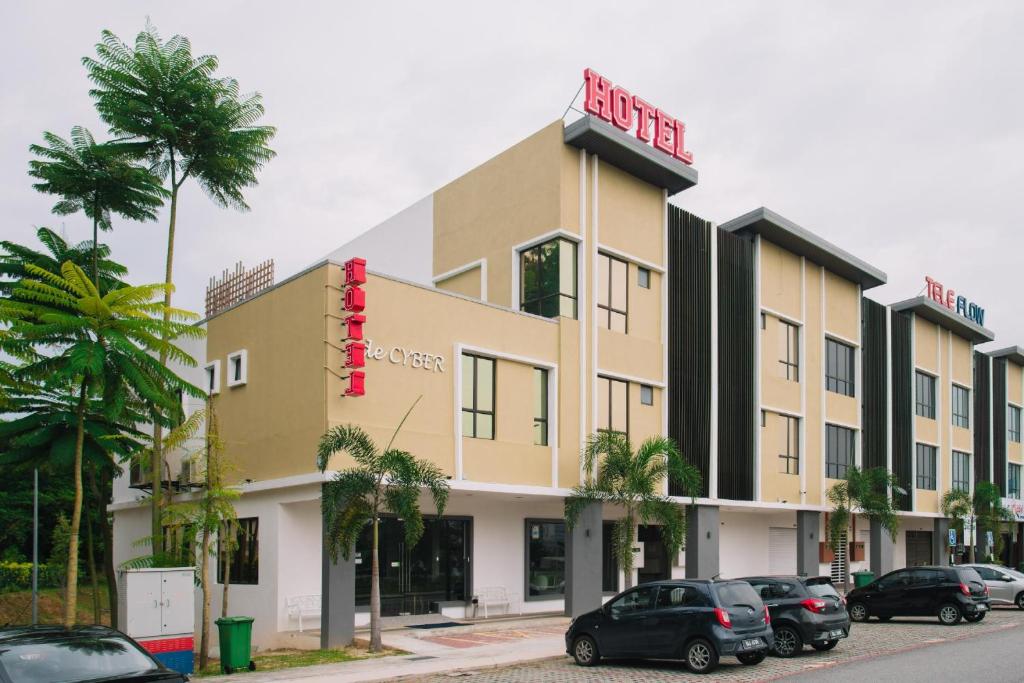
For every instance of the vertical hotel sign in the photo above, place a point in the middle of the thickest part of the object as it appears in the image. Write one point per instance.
(354, 304)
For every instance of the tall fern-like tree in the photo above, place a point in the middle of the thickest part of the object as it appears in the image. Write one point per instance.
(866, 492)
(383, 480)
(56, 250)
(632, 481)
(188, 124)
(98, 179)
(95, 344)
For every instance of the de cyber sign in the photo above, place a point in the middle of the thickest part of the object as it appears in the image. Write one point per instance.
(954, 302)
(627, 112)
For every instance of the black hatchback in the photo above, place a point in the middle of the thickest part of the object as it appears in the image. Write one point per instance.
(949, 593)
(52, 654)
(693, 620)
(805, 611)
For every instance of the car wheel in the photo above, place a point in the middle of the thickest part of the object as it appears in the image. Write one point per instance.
(1020, 600)
(584, 651)
(701, 657)
(858, 612)
(751, 658)
(788, 642)
(949, 614)
(974, 618)
(826, 645)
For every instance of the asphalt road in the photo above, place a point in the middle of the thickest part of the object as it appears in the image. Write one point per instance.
(993, 658)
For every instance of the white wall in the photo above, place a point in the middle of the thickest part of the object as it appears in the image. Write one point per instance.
(743, 540)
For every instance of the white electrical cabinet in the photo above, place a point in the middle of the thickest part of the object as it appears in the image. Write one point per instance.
(157, 602)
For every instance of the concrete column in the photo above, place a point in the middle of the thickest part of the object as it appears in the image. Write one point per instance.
(940, 542)
(881, 550)
(807, 524)
(583, 563)
(337, 600)
(702, 542)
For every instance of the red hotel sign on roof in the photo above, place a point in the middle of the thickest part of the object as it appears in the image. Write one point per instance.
(354, 303)
(625, 111)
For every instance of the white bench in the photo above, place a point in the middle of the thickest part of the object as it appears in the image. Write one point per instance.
(497, 596)
(300, 606)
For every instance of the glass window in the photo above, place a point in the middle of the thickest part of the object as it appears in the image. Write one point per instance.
(83, 658)
(680, 596)
(642, 598)
(612, 294)
(789, 445)
(961, 471)
(612, 405)
(1013, 488)
(926, 467)
(478, 396)
(547, 279)
(243, 538)
(540, 406)
(646, 395)
(789, 351)
(961, 406)
(1013, 423)
(839, 371)
(839, 451)
(609, 563)
(643, 277)
(545, 558)
(925, 395)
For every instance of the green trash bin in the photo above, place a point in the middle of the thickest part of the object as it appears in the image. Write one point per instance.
(235, 644)
(862, 578)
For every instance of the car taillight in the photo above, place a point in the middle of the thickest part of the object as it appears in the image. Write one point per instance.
(767, 615)
(965, 589)
(987, 591)
(843, 600)
(816, 605)
(723, 617)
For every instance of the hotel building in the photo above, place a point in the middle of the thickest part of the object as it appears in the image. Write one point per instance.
(555, 291)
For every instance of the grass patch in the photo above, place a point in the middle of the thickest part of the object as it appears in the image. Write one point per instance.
(275, 660)
(16, 606)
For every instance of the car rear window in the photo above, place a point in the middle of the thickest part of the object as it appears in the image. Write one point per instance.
(73, 659)
(968, 575)
(822, 589)
(737, 593)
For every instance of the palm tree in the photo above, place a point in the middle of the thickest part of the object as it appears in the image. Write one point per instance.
(632, 481)
(167, 105)
(867, 492)
(98, 179)
(15, 257)
(95, 344)
(958, 505)
(383, 481)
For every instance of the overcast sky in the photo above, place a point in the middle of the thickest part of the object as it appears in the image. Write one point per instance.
(895, 130)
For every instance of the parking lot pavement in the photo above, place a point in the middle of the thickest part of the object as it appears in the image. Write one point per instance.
(866, 641)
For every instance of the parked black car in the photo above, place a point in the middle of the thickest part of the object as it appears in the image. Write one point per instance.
(52, 654)
(949, 593)
(804, 610)
(693, 620)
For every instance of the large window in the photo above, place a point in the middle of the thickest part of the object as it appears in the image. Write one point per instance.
(839, 371)
(839, 451)
(961, 406)
(547, 279)
(243, 539)
(926, 456)
(545, 559)
(1013, 423)
(540, 406)
(789, 351)
(477, 396)
(612, 405)
(789, 445)
(612, 293)
(924, 401)
(1013, 489)
(961, 471)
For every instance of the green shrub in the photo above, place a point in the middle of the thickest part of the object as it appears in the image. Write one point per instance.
(17, 576)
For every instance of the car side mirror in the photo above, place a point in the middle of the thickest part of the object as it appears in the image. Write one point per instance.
(1006, 577)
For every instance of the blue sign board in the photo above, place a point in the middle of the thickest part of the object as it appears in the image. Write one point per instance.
(952, 538)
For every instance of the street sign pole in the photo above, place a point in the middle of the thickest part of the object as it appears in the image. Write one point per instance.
(35, 548)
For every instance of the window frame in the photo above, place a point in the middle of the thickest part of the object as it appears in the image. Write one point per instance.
(539, 300)
(928, 408)
(252, 534)
(1011, 433)
(649, 390)
(643, 277)
(844, 386)
(925, 481)
(211, 377)
(606, 311)
(239, 359)
(1013, 482)
(543, 419)
(791, 361)
(960, 477)
(474, 410)
(611, 419)
(526, 558)
(960, 419)
(833, 463)
(788, 459)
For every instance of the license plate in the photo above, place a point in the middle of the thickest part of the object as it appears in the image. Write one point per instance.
(838, 633)
(982, 608)
(752, 644)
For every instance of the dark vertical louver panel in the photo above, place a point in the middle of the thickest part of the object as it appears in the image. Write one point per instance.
(999, 423)
(982, 415)
(689, 340)
(736, 349)
(874, 394)
(902, 407)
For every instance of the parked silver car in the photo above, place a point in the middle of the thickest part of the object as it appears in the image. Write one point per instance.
(1005, 585)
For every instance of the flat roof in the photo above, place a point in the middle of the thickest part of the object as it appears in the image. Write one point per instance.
(1014, 353)
(630, 154)
(940, 315)
(790, 236)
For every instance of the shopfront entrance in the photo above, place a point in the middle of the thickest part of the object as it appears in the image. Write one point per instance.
(919, 548)
(656, 564)
(414, 579)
